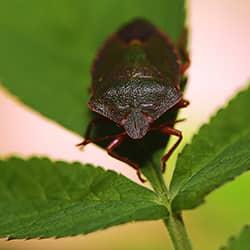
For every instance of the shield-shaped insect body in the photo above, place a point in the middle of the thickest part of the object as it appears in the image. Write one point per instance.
(135, 80)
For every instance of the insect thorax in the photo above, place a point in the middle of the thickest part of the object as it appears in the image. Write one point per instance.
(138, 102)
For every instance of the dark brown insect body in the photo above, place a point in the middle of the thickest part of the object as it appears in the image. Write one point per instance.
(135, 80)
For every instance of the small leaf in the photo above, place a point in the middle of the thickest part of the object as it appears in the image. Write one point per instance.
(40, 198)
(47, 48)
(217, 154)
(242, 242)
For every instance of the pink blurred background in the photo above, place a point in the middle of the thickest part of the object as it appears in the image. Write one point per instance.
(220, 54)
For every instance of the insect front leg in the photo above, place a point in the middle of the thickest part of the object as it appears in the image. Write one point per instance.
(170, 131)
(99, 139)
(113, 145)
(87, 135)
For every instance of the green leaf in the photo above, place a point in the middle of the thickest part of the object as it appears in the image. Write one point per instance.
(242, 242)
(47, 47)
(217, 154)
(40, 198)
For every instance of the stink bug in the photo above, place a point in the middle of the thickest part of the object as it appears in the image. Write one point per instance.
(135, 80)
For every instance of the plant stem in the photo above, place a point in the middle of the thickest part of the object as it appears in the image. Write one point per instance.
(177, 232)
(154, 176)
(174, 222)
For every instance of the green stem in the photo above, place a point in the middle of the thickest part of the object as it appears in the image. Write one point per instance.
(154, 176)
(174, 222)
(177, 232)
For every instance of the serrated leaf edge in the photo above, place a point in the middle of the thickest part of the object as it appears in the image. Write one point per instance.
(234, 237)
(247, 88)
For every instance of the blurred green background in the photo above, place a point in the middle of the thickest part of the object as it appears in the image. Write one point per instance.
(217, 72)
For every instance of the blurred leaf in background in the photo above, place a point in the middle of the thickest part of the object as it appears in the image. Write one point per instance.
(47, 47)
(241, 242)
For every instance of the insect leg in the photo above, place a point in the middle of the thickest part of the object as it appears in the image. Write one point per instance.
(165, 124)
(170, 131)
(90, 126)
(113, 145)
(99, 139)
